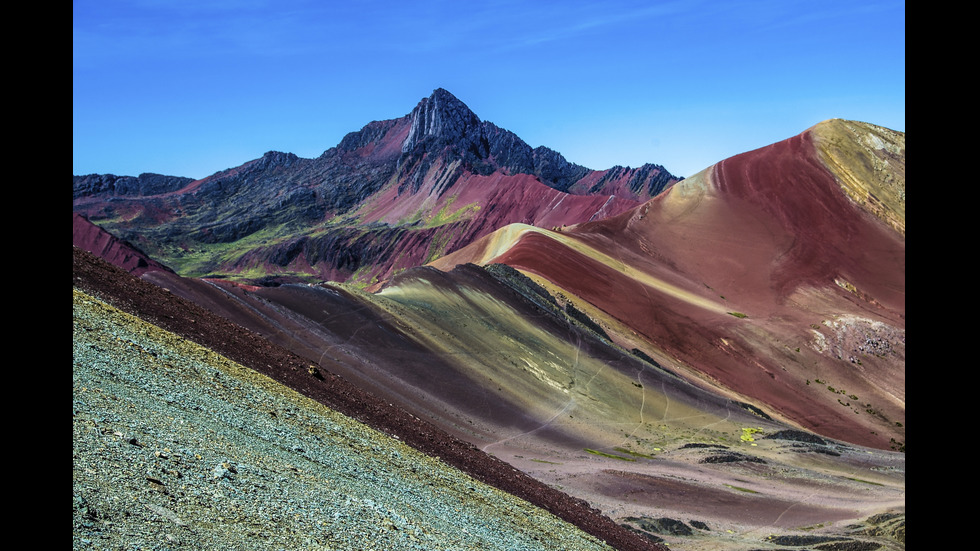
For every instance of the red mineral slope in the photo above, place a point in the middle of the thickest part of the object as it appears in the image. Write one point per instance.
(474, 206)
(88, 236)
(760, 275)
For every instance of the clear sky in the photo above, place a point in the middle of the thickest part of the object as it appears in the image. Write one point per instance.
(191, 87)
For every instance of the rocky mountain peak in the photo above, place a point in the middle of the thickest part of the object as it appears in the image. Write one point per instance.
(277, 159)
(440, 116)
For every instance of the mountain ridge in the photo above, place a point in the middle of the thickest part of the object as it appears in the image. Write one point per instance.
(745, 252)
(436, 151)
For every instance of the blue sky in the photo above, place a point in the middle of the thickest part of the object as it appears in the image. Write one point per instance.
(189, 88)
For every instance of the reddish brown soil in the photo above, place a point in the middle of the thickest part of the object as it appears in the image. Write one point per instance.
(770, 236)
(479, 205)
(158, 306)
(832, 236)
(94, 239)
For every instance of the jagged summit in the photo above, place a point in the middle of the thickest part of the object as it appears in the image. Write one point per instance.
(441, 116)
(441, 122)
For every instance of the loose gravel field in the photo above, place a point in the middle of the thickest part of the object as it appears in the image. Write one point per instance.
(175, 447)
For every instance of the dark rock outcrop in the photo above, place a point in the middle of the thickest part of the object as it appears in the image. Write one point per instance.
(663, 525)
(127, 186)
(732, 457)
(551, 166)
(442, 118)
(797, 436)
(647, 180)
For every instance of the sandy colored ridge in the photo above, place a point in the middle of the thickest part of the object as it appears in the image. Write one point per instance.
(769, 237)
(873, 173)
(505, 239)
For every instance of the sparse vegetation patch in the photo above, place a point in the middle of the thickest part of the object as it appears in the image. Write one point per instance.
(609, 455)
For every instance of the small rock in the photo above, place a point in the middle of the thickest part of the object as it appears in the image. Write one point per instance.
(226, 470)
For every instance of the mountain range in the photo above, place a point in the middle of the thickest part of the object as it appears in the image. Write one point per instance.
(394, 195)
(726, 351)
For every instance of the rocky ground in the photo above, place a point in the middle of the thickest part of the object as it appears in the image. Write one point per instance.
(175, 446)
